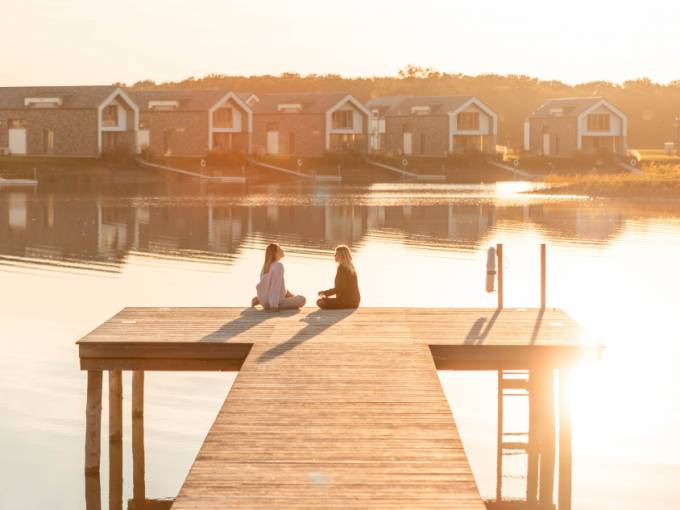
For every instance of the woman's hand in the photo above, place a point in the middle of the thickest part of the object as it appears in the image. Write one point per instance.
(322, 293)
(289, 293)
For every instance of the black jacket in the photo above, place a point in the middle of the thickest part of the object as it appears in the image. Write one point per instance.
(346, 287)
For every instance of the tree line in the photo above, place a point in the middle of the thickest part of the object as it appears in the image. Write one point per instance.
(652, 108)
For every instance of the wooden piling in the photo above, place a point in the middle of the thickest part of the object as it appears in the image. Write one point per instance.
(547, 455)
(115, 475)
(564, 489)
(499, 440)
(543, 272)
(138, 474)
(533, 439)
(93, 491)
(93, 421)
(115, 405)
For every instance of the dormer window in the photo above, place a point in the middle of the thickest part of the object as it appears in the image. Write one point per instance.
(163, 105)
(343, 119)
(421, 110)
(468, 120)
(42, 102)
(110, 115)
(290, 108)
(223, 118)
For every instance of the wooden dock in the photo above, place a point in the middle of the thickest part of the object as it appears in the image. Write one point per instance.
(330, 409)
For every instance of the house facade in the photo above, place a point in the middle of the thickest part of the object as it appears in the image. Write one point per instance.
(78, 121)
(435, 126)
(191, 123)
(564, 127)
(309, 125)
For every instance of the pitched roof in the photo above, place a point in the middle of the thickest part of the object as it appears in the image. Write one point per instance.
(187, 99)
(571, 106)
(310, 102)
(82, 96)
(439, 105)
(384, 103)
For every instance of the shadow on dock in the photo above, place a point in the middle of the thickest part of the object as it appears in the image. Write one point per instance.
(480, 329)
(314, 327)
(249, 318)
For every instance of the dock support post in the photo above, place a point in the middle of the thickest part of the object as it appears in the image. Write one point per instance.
(499, 440)
(564, 489)
(547, 457)
(93, 491)
(115, 440)
(138, 483)
(499, 255)
(93, 421)
(533, 441)
(543, 267)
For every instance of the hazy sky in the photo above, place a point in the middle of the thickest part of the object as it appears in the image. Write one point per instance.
(90, 41)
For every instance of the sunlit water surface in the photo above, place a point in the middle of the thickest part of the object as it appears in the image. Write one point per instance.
(73, 254)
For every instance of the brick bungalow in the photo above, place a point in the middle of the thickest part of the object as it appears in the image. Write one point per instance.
(190, 123)
(563, 127)
(432, 125)
(309, 125)
(78, 121)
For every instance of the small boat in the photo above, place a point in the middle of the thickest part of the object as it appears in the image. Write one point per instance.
(18, 183)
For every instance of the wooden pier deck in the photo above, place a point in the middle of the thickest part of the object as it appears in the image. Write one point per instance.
(331, 409)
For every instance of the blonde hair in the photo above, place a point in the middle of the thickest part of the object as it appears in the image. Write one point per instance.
(345, 257)
(269, 257)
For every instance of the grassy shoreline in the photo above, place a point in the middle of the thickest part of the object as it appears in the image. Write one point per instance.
(655, 181)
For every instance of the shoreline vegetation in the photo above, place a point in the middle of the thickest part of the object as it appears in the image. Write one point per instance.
(654, 181)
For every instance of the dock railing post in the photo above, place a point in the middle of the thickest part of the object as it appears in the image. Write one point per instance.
(93, 421)
(543, 266)
(115, 440)
(499, 256)
(138, 482)
(564, 488)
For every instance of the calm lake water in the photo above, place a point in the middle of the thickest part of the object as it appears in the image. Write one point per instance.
(77, 250)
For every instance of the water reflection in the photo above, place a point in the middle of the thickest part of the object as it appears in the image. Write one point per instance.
(98, 233)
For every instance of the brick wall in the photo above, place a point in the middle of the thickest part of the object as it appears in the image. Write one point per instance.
(75, 131)
(435, 130)
(188, 132)
(309, 130)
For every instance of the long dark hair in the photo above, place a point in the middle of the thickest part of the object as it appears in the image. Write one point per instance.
(270, 257)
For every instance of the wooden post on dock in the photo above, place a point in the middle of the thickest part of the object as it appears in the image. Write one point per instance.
(93, 421)
(547, 432)
(138, 482)
(499, 256)
(499, 440)
(115, 440)
(564, 489)
(533, 440)
(93, 491)
(543, 267)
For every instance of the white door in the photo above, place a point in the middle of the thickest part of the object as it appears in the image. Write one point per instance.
(272, 142)
(142, 139)
(408, 143)
(546, 144)
(17, 140)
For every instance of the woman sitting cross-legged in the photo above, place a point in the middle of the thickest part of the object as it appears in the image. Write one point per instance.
(346, 290)
(271, 290)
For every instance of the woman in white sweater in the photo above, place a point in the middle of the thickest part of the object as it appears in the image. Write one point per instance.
(271, 290)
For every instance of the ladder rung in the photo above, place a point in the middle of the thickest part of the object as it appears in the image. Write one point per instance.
(514, 445)
(516, 384)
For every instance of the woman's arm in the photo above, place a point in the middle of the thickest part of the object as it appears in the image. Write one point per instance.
(277, 286)
(333, 291)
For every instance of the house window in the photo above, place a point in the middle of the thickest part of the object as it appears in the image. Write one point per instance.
(343, 119)
(468, 120)
(48, 141)
(291, 143)
(598, 122)
(223, 118)
(16, 124)
(110, 115)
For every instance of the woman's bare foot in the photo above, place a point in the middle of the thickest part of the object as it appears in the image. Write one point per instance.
(254, 302)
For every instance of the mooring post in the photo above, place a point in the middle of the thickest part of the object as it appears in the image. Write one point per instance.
(543, 266)
(499, 256)
(564, 489)
(533, 440)
(138, 482)
(547, 456)
(93, 421)
(115, 440)
(93, 491)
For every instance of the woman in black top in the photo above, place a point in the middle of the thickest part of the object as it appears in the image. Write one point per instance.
(346, 290)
